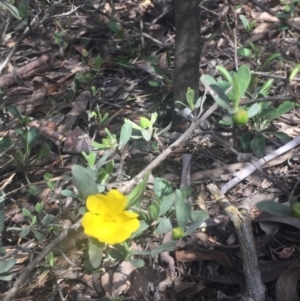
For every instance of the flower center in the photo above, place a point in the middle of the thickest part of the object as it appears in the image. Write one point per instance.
(110, 218)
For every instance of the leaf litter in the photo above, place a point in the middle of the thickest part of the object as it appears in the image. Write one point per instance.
(48, 79)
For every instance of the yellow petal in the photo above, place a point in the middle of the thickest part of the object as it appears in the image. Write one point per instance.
(113, 202)
(111, 228)
(97, 203)
(130, 214)
(91, 223)
(117, 201)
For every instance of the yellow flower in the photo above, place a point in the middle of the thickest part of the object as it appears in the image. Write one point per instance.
(106, 220)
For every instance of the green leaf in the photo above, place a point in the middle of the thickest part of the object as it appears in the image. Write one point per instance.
(14, 229)
(116, 254)
(95, 252)
(162, 187)
(153, 211)
(269, 59)
(25, 231)
(98, 63)
(38, 235)
(125, 134)
(186, 191)
(190, 97)
(283, 108)
(5, 142)
(265, 89)
(294, 72)
(27, 213)
(165, 130)
(154, 83)
(226, 120)
(202, 217)
(157, 70)
(39, 207)
(245, 141)
(164, 226)
(137, 191)
(14, 111)
(34, 190)
(241, 81)
(103, 159)
(137, 262)
(254, 110)
(274, 208)
(168, 246)
(48, 219)
(147, 134)
(282, 136)
(167, 203)
(244, 21)
(199, 102)
(84, 182)
(11, 8)
(268, 113)
(143, 227)
(216, 92)
(34, 220)
(183, 210)
(153, 118)
(199, 215)
(258, 145)
(5, 266)
(50, 258)
(145, 122)
(90, 158)
(2, 220)
(68, 193)
(113, 26)
(6, 277)
(32, 137)
(134, 125)
(225, 73)
(100, 145)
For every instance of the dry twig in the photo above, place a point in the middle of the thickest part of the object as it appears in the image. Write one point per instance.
(242, 225)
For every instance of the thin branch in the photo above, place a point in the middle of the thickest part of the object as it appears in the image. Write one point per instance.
(253, 166)
(242, 225)
(127, 186)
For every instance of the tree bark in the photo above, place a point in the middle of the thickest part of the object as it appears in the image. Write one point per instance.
(187, 49)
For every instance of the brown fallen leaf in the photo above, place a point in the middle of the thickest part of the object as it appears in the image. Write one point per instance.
(145, 283)
(196, 255)
(121, 279)
(286, 285)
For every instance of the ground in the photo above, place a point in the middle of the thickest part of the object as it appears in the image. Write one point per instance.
(70, 70)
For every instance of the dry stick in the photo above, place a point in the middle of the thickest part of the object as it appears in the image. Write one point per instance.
(270, 98)
(242, 225)
(186, 170)
(253, 166)
(127, 186)
(22, 278)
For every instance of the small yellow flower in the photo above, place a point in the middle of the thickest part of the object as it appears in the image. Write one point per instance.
(106, 220)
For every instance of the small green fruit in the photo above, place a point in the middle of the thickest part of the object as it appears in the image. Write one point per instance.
(178, 233)
(241, 117)
(295, 208)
